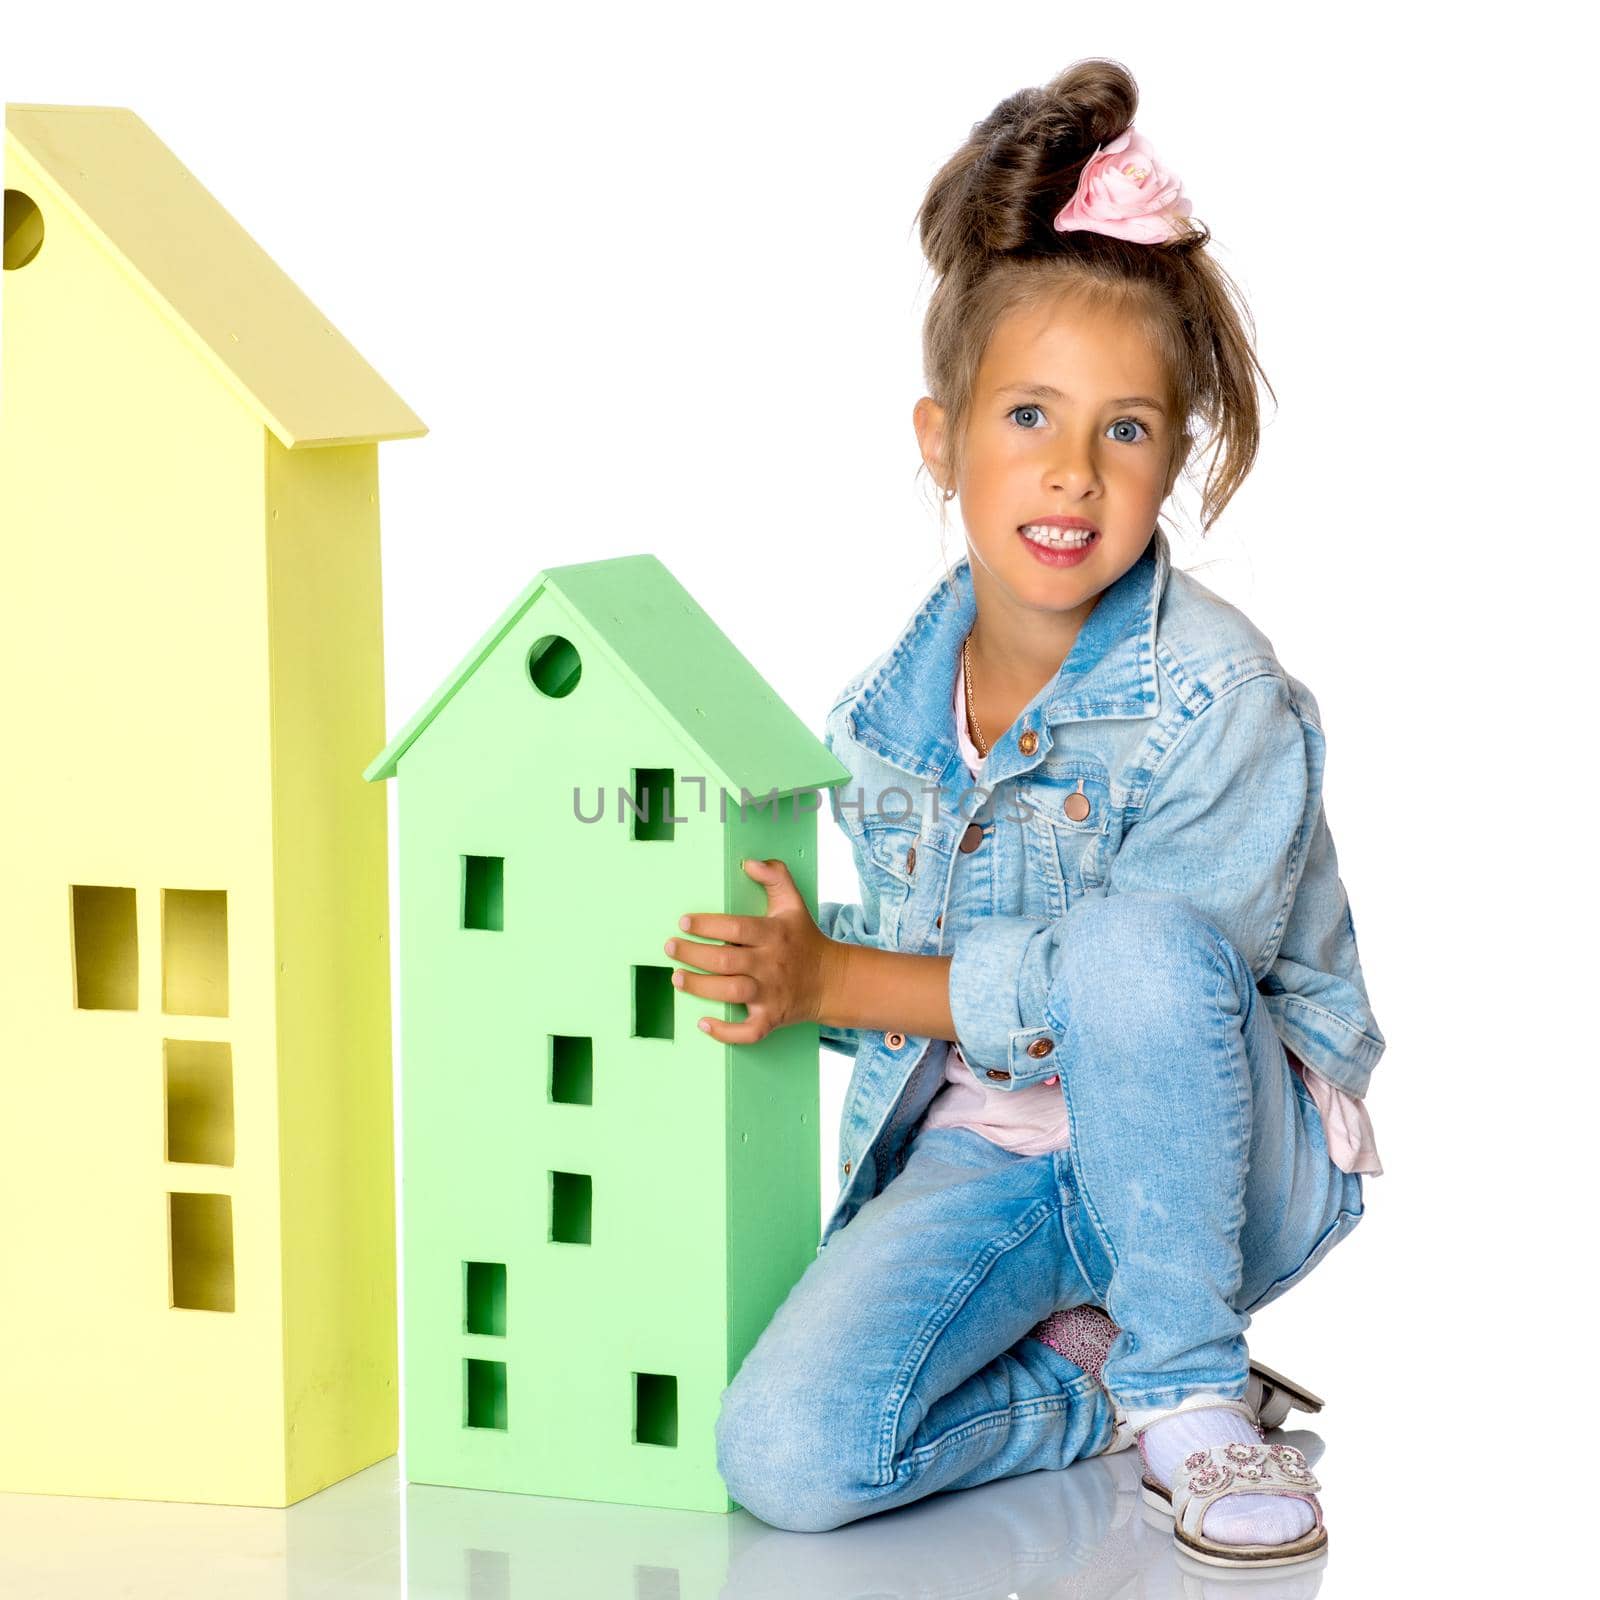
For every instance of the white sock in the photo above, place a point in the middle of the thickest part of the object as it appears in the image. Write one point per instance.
(1237, 1518)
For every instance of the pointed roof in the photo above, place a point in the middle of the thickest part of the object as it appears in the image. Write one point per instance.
(264, 339)
(649, 628)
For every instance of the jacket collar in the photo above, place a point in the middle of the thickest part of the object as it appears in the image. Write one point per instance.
(904, 715)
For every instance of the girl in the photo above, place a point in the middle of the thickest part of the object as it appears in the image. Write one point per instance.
(1102, 989)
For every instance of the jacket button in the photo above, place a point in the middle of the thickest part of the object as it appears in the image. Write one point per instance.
(911, 858)
(847, 1169)
(995, 1072)
(894, 1040)
(1028, 743)
(1041, 1047)
(938, 921)
(1077, 805)
(972, 838)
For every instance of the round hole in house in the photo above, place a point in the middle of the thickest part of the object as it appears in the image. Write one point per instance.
(554, 666)
(24, 227)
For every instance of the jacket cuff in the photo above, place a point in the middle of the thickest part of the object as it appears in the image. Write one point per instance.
(999, 1020)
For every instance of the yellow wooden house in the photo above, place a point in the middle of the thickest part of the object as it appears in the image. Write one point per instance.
(197, 1263)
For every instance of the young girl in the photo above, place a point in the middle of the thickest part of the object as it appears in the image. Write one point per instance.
(1109, 1023)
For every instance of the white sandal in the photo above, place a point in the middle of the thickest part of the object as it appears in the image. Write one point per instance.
(1279, 1396)
(1208, 1474)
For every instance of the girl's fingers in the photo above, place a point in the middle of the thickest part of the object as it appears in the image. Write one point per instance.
(741, 990)
(718, 925)
(747, 1032)
(707, 957)
(774, 876)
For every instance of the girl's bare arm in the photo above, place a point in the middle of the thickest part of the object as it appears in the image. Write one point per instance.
(866, 988)
(783, 970)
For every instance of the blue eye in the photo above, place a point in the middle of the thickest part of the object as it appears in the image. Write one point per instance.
(1038, 412)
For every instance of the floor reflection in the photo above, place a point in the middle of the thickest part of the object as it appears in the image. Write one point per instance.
(1084, 1532)
(344, 1542)
(1079, 1533)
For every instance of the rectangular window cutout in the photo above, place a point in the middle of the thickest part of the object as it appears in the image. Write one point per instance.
(194, 952)
(656, 1583)
(571, 1207)
(571, 1069)
(652, 1002)
(486, 1394)
(486, 1297)
(199, 1074)
(488, 1574)
(655, 1408)
(201, 1232)
(105, 949)
(652, 802)
(483, 893)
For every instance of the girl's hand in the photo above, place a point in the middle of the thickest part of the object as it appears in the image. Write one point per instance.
(774, 965)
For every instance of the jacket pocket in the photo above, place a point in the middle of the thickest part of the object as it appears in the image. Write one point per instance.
(1069, 802)
(890, 851)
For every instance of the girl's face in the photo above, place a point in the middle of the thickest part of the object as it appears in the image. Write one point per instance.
(1067, 420)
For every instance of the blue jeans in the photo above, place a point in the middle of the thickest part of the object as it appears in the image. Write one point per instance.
(1197, 1187)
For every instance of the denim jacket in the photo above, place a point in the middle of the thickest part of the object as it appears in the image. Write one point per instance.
(1199, 764)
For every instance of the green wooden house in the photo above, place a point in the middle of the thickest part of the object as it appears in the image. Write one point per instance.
(602, 1206)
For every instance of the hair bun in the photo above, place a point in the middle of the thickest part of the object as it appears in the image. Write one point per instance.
(1001, 190)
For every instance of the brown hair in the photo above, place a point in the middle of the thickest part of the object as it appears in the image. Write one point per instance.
(986, 225)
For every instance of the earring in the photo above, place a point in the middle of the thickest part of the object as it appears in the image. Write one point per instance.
(950, 493)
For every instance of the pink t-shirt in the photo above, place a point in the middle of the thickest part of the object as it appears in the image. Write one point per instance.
(1032, 1121)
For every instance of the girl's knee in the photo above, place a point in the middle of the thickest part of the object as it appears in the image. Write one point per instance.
(1147, 918)
(779, 1462)
(1144, 952)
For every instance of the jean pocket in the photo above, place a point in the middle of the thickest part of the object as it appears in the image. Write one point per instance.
(1301, 1087)
(1341, 1227)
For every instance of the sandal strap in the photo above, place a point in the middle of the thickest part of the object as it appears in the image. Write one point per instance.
(1206, 1475)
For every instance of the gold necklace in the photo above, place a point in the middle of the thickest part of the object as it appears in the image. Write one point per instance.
(966, 678)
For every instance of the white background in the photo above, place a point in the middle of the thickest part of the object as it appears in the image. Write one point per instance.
(649, 275)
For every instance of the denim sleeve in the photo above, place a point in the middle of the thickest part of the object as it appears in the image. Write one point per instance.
(850, 924)
(1224, 826)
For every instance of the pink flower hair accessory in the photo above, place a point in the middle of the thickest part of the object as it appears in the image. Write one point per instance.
(1125, 191)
